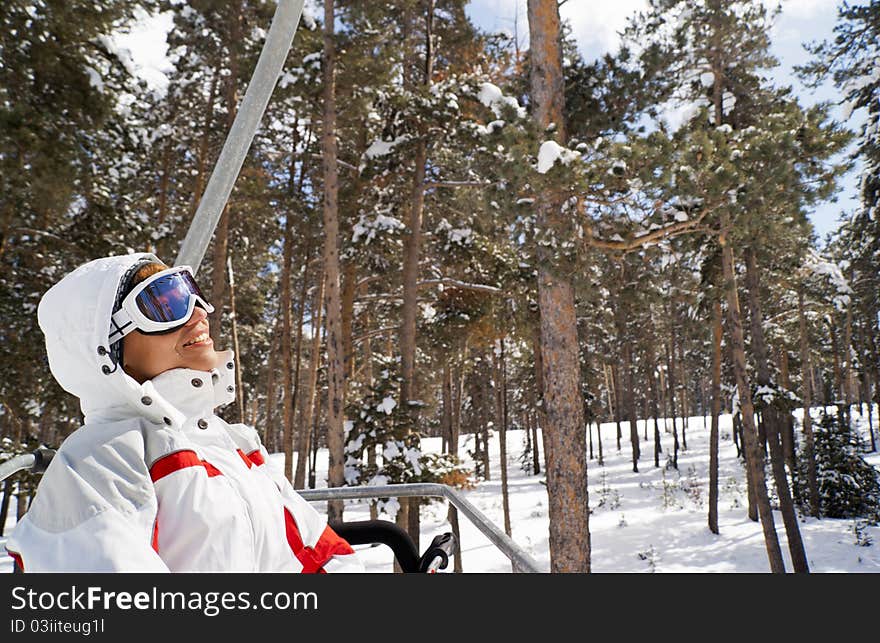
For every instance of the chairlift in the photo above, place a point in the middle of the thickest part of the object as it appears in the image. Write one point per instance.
(235, 148)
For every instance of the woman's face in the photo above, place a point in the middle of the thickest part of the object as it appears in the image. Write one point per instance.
(190, 346)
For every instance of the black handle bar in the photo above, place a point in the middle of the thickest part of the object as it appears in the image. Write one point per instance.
(368, 532)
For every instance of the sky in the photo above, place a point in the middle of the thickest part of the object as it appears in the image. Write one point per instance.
(596, 24)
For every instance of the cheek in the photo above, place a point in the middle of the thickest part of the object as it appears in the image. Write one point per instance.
(151, 355)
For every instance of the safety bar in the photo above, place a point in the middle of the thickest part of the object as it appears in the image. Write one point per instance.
(521, 561)
(16, 464)
(36, 462)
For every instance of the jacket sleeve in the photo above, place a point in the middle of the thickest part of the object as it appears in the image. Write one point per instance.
(313, 541)
(94, 511)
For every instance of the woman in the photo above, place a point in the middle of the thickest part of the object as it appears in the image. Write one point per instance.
(154, 480)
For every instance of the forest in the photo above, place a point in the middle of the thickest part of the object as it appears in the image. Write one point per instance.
(441, 232)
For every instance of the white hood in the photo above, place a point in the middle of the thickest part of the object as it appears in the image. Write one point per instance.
(74, 316)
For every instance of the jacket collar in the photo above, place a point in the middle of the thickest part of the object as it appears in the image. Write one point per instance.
(176, 395)
(196, 393)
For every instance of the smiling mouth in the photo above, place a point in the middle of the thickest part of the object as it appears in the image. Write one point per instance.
(199, 340)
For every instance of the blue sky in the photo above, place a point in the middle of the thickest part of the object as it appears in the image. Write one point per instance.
(596, 24)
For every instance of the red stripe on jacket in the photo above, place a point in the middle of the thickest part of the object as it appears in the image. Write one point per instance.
(252, 458)
(180, 460)
(314, 558)
(155, 540)
(17, 558)
(256, 457)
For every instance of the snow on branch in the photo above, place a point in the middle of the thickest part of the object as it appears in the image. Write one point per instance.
(492, 97)
(817, 266)
(552, 152)
(661, 232)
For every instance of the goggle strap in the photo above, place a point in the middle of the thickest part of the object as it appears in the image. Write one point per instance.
(120, 326)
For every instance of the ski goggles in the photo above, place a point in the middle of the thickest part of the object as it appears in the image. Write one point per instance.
(160, 304)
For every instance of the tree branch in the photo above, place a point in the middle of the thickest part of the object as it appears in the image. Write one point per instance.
(456, 184)
(374, 333)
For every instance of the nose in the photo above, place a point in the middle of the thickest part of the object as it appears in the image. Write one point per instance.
(198, 314)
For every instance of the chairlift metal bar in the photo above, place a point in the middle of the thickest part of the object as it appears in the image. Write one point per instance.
(241, 134)
(521, 560)
(16, 464)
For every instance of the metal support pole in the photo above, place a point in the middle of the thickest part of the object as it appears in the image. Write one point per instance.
(238, 141)
(521, 560)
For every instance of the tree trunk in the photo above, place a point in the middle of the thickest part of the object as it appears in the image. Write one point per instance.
(286, 359)
(296, 398)
(716, 412)
(304, 439)
(754, 454)
(631, 406)
(335, 348)
(684, 399)
(483, 385)
(501, 393)
(4, 505)
(412, 251)
(590, 438)
(564, 431)
(452, 516)
(836, 398)
(270, 434)
(540, 418)
(627, 400)
(772, 421)
(221, 235)
(788, 441)
(349, 285)
(239, 389)
(652, 388)
(446, 415)
(202, 155)
(867, 387)
(455, 431)
(618, 401)
(162, 206)
(847, 364)
(670, 369)
(807, 395)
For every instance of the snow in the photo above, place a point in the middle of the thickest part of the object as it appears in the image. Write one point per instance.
(652, 521)
(95, 79)
(383, 148)
(492, 97)
(143, 48)
(552, 152)
(387, 405)
(368, 229)
(821, 267)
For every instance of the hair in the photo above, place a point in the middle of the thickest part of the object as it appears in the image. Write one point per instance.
(144, 272)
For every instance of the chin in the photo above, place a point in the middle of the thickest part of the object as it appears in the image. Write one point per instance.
(203, 364)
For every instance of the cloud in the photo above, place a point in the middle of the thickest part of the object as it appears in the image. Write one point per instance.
(598, 26)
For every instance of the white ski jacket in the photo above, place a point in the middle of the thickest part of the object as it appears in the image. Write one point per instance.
(154, 480)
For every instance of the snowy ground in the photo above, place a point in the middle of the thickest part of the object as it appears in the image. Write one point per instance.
(652, 521)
